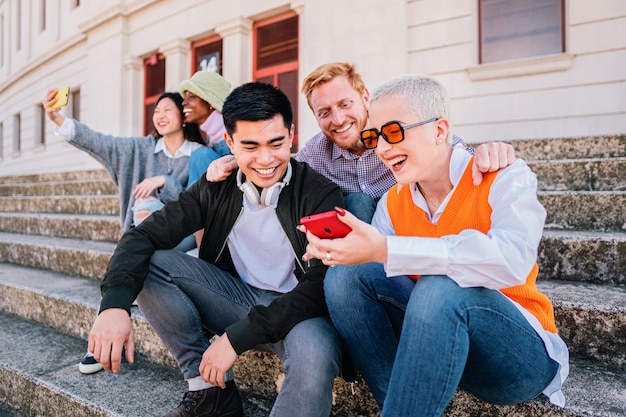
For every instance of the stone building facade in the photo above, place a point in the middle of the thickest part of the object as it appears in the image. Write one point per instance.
(520, 69)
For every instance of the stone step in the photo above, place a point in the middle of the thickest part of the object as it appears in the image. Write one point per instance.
(585, 210)
(571, 148)
(97, 186)
(83, 258)
(575, 175)
(592, 257)
(107, 205)
(591, 390)
(580, 210)
(581, 174)
(5, 412)
(599, 211)
(39, 377)
(55, 176)
(76, 226)
(591, 318)
(563, 255)
(69, 305)
(56, 379)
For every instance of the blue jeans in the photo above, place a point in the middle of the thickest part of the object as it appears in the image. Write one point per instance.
(184, 297)
(201, 158)
(415, 343)
(361, 205)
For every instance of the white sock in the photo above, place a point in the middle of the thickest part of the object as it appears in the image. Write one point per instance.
(197, 383)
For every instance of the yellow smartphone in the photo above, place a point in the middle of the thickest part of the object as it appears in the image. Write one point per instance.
(61, 96)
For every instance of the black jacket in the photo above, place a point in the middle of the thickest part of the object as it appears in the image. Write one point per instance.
(216, 207)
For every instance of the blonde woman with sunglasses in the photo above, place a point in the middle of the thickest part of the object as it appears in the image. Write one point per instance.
(439, 292)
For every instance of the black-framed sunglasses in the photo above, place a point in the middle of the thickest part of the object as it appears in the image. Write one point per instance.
(392, 132)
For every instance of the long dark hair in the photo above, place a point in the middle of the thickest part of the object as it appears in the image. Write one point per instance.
(191, 131)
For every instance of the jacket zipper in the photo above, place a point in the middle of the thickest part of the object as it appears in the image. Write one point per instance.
(293, 251)
(226, 240)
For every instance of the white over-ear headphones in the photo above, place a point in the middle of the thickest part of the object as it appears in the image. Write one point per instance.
(269, 195)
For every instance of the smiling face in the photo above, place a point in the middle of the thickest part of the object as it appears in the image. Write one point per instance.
(262, 149)
(341, 112)
(196, 110)
(423, 155)
(166, 117)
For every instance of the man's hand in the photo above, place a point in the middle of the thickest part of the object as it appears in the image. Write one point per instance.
(491, 157)
(221, 168)
(111, 332)
(217, 360)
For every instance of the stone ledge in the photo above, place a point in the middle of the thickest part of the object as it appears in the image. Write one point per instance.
(608, 146)
(98, 186)
(38, 376)
(69, 305)
(108, 205)
(74, 226)
(56, 176)
(585, 210)
(583, 256)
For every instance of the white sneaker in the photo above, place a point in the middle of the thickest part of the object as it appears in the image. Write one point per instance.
(89, 365)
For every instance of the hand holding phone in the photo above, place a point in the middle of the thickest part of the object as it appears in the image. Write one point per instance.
(325, 225)
(62, 96)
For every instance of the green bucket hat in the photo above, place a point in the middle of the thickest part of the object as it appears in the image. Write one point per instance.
(209, 86)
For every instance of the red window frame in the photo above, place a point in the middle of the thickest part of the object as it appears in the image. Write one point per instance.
(154, 86)
(281, 74)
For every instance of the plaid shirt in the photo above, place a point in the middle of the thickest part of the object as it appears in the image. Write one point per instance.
(353, 173)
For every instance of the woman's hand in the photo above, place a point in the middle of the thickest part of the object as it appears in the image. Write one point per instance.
(145, 188)
(363, 244)
(53, 114)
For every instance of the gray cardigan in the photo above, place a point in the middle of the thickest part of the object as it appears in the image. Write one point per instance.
(130, 160)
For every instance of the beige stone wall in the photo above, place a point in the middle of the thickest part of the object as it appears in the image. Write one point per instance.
(577, 93)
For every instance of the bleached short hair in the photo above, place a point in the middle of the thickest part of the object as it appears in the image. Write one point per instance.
(425, 96)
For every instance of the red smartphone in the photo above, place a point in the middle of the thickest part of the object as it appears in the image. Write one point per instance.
(325, 225)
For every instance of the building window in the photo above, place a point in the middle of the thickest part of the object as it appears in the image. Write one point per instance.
(75, 104)
(276, 58)
(207, 55)
(18, 25)
(2, 40)
(154, 70)
(520, 29)
(42, 15)
(17, 127)
(39, 126)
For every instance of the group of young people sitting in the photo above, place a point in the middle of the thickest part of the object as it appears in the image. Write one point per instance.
(432, 289)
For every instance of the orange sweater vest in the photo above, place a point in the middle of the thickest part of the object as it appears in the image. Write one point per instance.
(468, 208)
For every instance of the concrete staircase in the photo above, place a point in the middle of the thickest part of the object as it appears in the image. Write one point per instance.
(57, 232)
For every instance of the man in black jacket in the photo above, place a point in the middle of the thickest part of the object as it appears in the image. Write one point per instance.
(249, 284)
